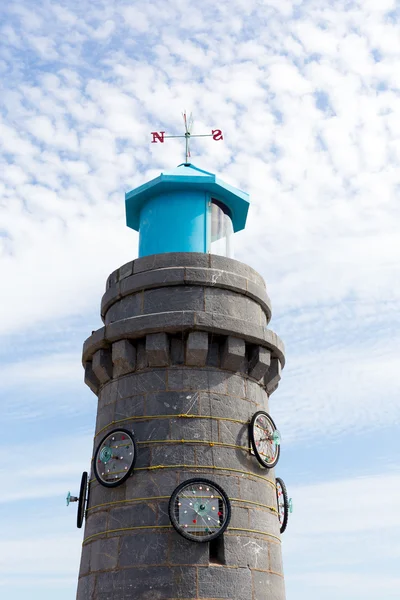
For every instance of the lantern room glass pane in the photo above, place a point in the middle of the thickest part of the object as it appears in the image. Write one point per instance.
(221, 230)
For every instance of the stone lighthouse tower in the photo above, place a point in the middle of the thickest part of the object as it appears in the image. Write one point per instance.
(181, 500)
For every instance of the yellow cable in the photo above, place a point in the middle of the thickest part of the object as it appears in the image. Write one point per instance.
(195, 467)
(151, 498)
(125, 529)
(107, 531)
(254, 531)
(130, 500)
(205, 442)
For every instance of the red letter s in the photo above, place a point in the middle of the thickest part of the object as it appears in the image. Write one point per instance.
(217, 134)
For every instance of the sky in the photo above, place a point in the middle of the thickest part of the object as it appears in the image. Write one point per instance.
(307, 96)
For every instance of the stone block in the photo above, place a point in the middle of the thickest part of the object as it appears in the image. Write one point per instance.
(259, 294)
(219, 582)
(93, 343)
(222, 405)
(271, 390)
(152, 279)
(240, 517)
(235, 385)
(205, 455)
(85, 560)
(275, 558)
(112, 279)
(152, 429)
(273, 376)
(173, 298)
(194, 429)
(243, 551)
(142, 383)
(90, 378)
(257, 491)
(233, 353)
(143, 458)
(104, 554)
(132, 406)
(108, 393)
(136, 327)
(133, 514)
(275, 344)
(259, 362)
(147, 583)
(172, 454)
(187, 379)
(236, 458)
(109, 298)
(125, 308)
(216, 279)
(236, 305)
(102, 365)
(143, 484)
(100, 495)
(264, 520)
(172, 403)
(256, 394)
(147, 548)
(125, 271)
(86, 587)
(234, 433)
(123, 357)
(197, 349)
(157, 349)
(185, 552)
(231, 265)
(96, 521)
(268, 585)
(105, 417)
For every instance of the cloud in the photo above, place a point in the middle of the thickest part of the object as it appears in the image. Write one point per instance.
(339, 532)
(346, 389)
(306, 94)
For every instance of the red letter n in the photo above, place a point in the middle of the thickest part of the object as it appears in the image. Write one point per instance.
(157, 137)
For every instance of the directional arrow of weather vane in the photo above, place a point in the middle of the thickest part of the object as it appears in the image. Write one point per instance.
(159, 136)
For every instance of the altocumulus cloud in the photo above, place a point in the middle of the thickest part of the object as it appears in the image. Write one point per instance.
(306, 94)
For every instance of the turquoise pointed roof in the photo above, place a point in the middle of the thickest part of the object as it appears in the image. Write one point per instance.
(190, 178)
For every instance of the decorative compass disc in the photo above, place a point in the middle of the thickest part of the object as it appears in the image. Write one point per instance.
(283, 503)
(115, 458)
(82, 500)
(265, 439)
(199, 510)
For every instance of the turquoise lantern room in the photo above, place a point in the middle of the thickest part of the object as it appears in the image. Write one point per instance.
(186, 210)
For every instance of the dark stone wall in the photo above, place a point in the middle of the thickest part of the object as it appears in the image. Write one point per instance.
(184, 360)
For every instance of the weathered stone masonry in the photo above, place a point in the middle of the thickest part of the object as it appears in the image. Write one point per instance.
(184, 360)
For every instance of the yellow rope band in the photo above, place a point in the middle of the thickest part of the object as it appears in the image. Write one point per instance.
(204, 442)
(90, 537)
(152, 498)
(196, 467)
(107, 531)
(254, 531)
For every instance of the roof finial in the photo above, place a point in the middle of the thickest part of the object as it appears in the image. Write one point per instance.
(159, 136)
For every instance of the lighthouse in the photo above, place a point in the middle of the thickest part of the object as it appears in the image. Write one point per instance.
(181, 499)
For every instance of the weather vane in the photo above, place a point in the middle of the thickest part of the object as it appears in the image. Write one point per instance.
(159, 136)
